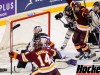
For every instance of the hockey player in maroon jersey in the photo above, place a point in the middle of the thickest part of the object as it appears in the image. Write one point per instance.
(80, 35)
(41, 56)
(45, 39)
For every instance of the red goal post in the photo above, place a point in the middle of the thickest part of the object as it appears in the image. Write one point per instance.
(25, 30)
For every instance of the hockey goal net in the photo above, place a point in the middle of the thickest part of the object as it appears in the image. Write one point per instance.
(21, 30)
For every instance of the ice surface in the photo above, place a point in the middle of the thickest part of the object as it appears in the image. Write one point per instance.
(57, 36)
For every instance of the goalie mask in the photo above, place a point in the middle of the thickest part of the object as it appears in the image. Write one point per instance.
(37, 29)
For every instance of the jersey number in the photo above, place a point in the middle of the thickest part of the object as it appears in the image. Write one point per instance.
(46, 60)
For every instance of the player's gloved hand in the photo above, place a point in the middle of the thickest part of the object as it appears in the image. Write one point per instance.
(89, 20)
(58, 16)
(13, 54)
(71, 25)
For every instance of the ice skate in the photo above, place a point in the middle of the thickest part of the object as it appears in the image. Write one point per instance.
(96, 60)
(63, 46)
(79, 55)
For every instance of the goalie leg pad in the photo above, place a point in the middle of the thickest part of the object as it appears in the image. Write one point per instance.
(61, 63)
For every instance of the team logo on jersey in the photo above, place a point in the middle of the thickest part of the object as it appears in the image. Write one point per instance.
(88, 70)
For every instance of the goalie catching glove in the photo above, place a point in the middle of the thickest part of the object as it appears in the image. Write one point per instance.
(58, 16)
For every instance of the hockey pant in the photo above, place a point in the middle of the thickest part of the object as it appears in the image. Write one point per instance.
(67, 36)
(79, 39)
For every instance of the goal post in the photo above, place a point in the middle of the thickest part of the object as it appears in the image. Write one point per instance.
(23, 34)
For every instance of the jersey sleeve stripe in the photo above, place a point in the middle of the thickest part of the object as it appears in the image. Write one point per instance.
(47, 69)
(54, 52)
(34, 73)
(24, 58)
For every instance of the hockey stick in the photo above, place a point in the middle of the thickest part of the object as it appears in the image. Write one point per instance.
(62, 21)
(84, 4)
(16, 26)
(13, 28)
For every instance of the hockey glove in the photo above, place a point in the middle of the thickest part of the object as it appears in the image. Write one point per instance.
(71, 26)
(13, 55)
(58, 16)
(89, 20)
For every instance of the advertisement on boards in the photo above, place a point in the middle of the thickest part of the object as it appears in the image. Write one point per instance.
(7, 8)
(31, 4)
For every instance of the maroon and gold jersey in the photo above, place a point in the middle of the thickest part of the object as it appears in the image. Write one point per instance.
(81, 18)
(43, 59)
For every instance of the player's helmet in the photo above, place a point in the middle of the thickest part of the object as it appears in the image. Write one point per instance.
(96, 4)
(68, 8)
(77, 4)
(37, 29)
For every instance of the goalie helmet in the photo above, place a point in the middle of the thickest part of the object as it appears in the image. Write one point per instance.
(37, 29)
